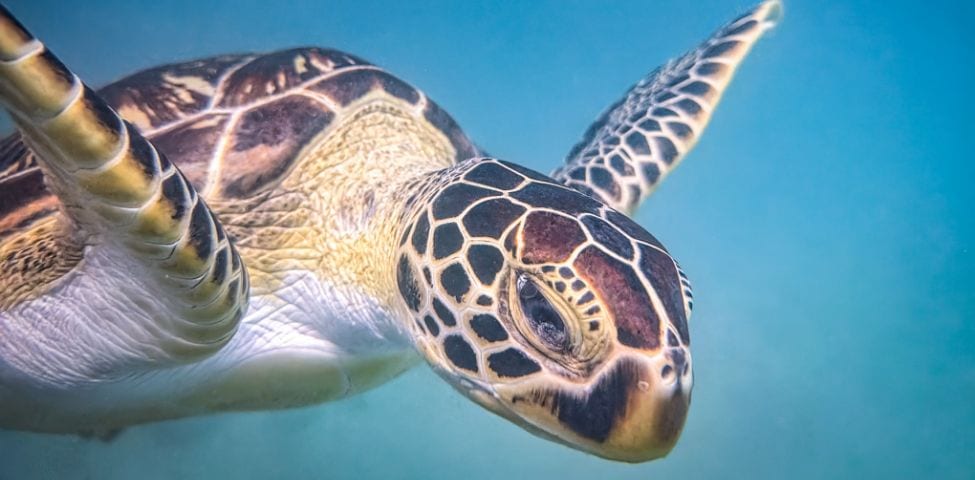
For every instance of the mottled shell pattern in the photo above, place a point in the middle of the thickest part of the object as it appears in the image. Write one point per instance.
(234, 125)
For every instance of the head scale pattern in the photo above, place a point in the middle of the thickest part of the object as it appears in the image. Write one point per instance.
(515, 280)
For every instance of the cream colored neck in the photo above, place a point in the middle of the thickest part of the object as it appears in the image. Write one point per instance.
(339, 214)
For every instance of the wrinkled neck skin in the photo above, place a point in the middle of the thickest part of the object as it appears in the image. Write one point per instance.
(320, 247)
(324, 319)
(339, 215)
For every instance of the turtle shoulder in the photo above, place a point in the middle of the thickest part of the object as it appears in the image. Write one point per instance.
(234, 123)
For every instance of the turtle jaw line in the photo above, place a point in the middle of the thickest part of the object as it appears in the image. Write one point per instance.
(645, 414)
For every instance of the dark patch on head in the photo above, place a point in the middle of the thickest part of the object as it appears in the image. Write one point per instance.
(455, 281)
(585, 298)
(578, 285)
(608, 236)
(594, 416)
(512, 363)
(672, 339)
(549, 238)
(420, 233)
(447, 239)
(484, 301)
(431, 324)
(565, 272)
(486, 261)
(493, 175)
(560, 287)
(624, 295)
(407, 284)
(544, 195)
(426, 276)
(460, 353)
(491, 218)
(455, 198)
(266, 142)
(444, 313)
(660, 271)
(488, 327)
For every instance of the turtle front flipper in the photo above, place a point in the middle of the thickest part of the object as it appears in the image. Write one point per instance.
(639, 140)
(124, 195)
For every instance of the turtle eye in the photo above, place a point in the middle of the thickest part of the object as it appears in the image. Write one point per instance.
(544, 320)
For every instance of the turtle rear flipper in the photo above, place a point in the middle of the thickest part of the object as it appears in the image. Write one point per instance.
(122, 193)
(640, 139)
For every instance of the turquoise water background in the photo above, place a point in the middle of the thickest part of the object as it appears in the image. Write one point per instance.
(827, 220)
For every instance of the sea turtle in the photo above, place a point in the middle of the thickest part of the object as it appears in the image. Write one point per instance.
(275, 230)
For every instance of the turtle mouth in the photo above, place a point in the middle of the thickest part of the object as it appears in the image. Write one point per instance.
(630, 413)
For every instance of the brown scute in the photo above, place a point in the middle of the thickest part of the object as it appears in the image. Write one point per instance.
(549, 238)
(441, 119)
(347, 87)
(192, 145)
(266, 142)
(661, 272)
(149, 100)
(278, 72)
(637, 323)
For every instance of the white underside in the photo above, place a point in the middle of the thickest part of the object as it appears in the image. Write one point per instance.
(83, 357)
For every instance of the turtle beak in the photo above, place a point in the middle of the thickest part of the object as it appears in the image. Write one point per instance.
(633, 412)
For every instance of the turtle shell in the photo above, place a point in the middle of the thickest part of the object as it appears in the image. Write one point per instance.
(233, 124)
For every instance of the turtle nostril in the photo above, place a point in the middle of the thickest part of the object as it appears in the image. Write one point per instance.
(666, 372)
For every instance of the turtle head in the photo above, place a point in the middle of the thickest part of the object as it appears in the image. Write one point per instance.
(550, 309)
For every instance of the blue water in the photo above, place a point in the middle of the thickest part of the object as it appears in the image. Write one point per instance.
(826, 220)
